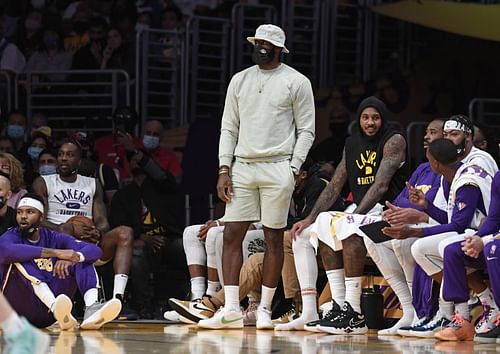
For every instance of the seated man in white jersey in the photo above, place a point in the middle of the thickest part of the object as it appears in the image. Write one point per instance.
(68, 194)
(467, 190)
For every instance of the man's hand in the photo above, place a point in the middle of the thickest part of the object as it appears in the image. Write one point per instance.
(202, 234)
(86, 233)
(61, 268)
(472, 246)
(401, 232)
(225, 188)
(155, 242)
(298, 227)
(397, 216)
(68, 255)
(416, 196)
(125, 140)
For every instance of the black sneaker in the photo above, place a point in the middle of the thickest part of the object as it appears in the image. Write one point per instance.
(347, 322)
(330, 315)
(488, 337)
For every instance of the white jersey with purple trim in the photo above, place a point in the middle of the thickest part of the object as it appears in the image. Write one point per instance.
(69, 199)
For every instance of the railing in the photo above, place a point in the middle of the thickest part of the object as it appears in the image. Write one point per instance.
(73, 99)
(485, 111)
(5, 92)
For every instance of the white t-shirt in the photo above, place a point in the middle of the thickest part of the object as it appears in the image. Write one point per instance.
(69, 199)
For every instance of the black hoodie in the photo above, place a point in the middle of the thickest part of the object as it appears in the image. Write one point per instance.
(363, 155)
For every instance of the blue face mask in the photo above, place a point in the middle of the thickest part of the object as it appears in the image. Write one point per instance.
(45, 170)
(34, 152)
(150, 142)
(15, 131)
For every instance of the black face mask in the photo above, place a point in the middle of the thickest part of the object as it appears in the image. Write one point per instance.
(27, 233)
(3, 201)
(461, 147)
(261, 55)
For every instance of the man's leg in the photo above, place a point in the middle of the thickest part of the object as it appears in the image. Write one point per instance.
(354, 253)
(117, 244)
(291, 286)
(19, 333)
(196, 257)
(214, 244)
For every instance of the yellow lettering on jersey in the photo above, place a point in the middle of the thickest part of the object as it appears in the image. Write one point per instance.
(44, 264)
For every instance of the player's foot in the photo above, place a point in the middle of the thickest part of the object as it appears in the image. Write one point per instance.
(61, 309)
(347, 322)
(264, 319)
(196, 310)
(224, 318)
(458, 329)
(98, 314)
(29, 340)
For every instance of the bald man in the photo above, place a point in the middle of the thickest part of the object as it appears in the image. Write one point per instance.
(166, 159)
(7, 214)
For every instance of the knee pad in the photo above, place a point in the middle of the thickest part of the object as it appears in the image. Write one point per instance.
(193, 247)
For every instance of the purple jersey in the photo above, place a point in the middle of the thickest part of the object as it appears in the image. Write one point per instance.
(422, 178)
(492, 223)
(17, 249)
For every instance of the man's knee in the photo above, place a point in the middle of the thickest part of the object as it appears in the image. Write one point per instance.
(354, 246)
(124, 235)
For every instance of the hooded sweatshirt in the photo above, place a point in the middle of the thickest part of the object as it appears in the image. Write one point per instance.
(364, 154)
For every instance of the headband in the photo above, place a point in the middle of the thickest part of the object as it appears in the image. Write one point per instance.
(31, 202)
(456, 125)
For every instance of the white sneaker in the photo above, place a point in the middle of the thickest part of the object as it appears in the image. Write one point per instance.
(393, 331)
(61, 309)
(264, 319)
(98, 314)
(224, 318)
(174, 317)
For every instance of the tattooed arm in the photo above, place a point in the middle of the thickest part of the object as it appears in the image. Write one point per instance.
(394, 156)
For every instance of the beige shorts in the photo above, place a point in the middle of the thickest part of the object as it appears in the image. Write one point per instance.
(262, 191)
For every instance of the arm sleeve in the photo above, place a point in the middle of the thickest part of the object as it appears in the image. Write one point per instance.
(90, 251)
(304, 113)
(466, 196)
(230, 127)
(492, 223)
(437, 214)
(12, 252)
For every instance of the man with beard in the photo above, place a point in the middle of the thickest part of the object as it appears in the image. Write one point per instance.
(267, 131)
(372, 165)
(147, 205)
(68, 194)
(42, 269)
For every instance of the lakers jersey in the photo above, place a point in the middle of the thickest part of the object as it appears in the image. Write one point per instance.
(67, 199)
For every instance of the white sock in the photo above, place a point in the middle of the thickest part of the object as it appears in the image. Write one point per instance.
(120, 284)
(232, 297)
(353, 292)
(266, 297)
(309, 312)
(43, 292)
(487, 298)
(213, 287)
(446, 308)
(336, 280)
(400, 288)
(90, 297)
(463, 309)
(12, 324)
(309, 304)
(197, 287)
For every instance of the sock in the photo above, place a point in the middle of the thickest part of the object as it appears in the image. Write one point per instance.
(197, 287)
(232, 297)
(213, 287)
(309, 303)
(90, 297)
(400, 288)
(43, 292)
(463, 309)
(120, 284)
(266, 297)
(353, 292)
(12, 324)
(336, 279)
(487, 298)
(446, 308)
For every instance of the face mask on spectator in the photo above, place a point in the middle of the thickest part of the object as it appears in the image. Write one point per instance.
(3, 201)
(34, 152)
(38, 4)
(150, 142)
(15, 131)
(45, 170)
(32, 25)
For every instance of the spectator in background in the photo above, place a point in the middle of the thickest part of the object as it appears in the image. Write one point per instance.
(50, 57)
(38, 143)
(29, 35)
(7, 145)
(47, 162)
(7, 213)
(16, 130)
(89, 57)
(11, 58)
(165, 158)
(39, 119)
(116, 53)
(76, 28)
(144, 18)
(13, 168)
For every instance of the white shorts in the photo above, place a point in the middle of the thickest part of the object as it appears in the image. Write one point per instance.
(262, 191)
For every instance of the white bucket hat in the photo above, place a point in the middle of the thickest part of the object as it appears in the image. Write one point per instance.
(272, 34)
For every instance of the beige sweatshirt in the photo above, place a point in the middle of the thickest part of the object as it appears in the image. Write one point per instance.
(268, 116)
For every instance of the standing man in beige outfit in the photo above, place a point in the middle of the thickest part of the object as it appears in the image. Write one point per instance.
(267, 131)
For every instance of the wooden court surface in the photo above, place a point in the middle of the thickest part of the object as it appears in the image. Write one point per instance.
(121, 338)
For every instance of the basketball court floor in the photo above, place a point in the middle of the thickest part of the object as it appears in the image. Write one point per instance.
(136, 338)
